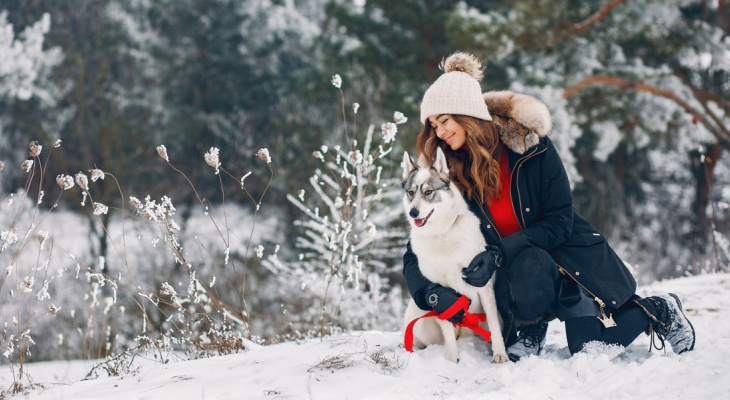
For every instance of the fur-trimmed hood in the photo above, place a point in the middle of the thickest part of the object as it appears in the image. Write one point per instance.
(520, 119)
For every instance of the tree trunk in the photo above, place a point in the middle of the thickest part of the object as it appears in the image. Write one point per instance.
(702, 165)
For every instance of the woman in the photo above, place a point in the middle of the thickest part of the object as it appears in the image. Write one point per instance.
(549, 261)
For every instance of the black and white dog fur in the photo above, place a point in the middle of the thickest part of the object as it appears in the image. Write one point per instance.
(445, 237)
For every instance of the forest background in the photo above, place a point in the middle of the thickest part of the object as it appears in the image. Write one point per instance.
(181, 101)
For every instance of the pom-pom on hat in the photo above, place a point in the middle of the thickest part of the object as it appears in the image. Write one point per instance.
(457, 91)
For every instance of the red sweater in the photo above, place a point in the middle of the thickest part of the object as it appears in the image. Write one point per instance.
(501, 209)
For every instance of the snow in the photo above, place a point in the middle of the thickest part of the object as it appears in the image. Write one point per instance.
(374, 365)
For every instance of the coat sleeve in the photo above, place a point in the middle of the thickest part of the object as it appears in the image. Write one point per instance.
(555, 223)
(415, 281)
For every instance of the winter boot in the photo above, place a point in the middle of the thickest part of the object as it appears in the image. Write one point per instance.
(530, 340)
(668, 322)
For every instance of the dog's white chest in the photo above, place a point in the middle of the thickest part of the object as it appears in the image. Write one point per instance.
(441, 257)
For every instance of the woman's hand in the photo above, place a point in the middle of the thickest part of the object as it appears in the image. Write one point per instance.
(442, 298)
(482, 267)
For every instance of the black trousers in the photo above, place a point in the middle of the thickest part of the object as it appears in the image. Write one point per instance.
(630, 322)
(529, 290)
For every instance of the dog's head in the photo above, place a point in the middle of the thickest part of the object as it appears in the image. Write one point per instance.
(428, 195)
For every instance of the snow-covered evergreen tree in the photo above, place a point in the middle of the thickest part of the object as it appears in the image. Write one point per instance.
(348, 241)
(24, 61)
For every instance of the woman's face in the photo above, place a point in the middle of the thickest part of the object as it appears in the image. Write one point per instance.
(448, 130)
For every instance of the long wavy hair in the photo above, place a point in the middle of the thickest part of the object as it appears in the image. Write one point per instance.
(475, 167)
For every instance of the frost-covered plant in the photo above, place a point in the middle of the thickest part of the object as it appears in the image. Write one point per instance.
(109, 307)
(41, 294)
(24, 283)
(348, 238)
(201, 319)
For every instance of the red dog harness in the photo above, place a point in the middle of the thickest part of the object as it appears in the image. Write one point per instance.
(470, 321)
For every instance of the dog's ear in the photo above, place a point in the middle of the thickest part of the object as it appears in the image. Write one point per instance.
(440, 164)
(408, 165)
(422, 162)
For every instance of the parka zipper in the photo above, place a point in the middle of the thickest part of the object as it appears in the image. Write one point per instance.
(597, 299)
(491, 223)
(517, 185)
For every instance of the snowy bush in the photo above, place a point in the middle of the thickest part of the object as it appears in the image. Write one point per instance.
(349, 241)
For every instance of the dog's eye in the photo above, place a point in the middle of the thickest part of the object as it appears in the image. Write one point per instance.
(410, 192)
(428, 192)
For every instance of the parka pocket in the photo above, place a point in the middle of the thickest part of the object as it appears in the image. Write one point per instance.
(585, 239)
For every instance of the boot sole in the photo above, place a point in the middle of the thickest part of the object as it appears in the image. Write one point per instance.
(694, 336)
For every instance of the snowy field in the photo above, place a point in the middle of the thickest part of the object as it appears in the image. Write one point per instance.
(374, 365)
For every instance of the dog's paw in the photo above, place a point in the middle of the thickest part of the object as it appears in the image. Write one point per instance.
(452, 356)
(500, 358)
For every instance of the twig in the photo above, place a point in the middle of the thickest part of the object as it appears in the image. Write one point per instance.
(582, 26)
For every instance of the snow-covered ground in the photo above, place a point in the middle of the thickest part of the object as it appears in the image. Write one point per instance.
(374, 365)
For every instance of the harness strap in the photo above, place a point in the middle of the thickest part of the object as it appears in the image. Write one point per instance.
(470, 321)
(408, 339)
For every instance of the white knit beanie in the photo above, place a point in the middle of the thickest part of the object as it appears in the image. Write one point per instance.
(457, 91)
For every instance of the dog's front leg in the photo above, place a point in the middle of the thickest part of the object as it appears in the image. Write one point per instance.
(449, 332)
(489, 304)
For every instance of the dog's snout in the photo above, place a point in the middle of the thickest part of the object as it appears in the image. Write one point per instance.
(414, 212)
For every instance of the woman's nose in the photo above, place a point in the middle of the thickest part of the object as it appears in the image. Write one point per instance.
(440, 131)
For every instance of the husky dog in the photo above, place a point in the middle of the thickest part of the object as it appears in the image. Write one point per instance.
(445, 237)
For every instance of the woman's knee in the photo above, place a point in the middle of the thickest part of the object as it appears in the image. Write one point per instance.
(533, 277)
(533, 267)
(533, 260)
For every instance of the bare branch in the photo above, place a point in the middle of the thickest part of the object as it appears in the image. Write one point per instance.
(582, 26)
(719, 131)
(704, 97)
